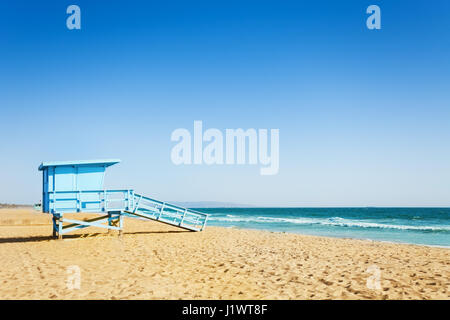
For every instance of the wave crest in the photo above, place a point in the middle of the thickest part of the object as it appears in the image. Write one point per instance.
(334, 221)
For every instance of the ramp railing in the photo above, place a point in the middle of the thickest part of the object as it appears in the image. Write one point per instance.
(169, 213)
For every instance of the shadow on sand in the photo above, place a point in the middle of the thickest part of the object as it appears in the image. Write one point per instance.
(82, 236)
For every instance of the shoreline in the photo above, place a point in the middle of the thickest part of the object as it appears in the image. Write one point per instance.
(38, 213)
(335, 237)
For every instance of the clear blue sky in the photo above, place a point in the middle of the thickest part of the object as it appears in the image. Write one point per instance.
(364, 116)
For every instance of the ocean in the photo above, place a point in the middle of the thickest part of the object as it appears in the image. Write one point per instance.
(424, 226)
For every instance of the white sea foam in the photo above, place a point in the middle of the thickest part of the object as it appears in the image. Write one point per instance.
(334, 221)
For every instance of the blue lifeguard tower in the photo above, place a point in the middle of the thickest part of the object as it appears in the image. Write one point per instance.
(78, 186)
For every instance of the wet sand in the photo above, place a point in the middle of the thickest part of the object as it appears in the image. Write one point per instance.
(156, 261)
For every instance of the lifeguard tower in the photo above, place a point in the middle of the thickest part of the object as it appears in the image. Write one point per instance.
(78, 186)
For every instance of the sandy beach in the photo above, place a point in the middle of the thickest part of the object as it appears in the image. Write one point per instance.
(156, 261)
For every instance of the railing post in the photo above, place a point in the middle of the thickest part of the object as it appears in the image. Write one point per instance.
(128, 200)
(105, 206)
(184, 215)
(137, 204)
(161, 210)
(54, 201)
(204, 223)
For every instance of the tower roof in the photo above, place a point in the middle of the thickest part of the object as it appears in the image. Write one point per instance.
(107, 163)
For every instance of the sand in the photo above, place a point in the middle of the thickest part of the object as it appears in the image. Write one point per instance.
(155, 261)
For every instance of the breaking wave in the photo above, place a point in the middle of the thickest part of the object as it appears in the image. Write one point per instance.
(334, 221)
